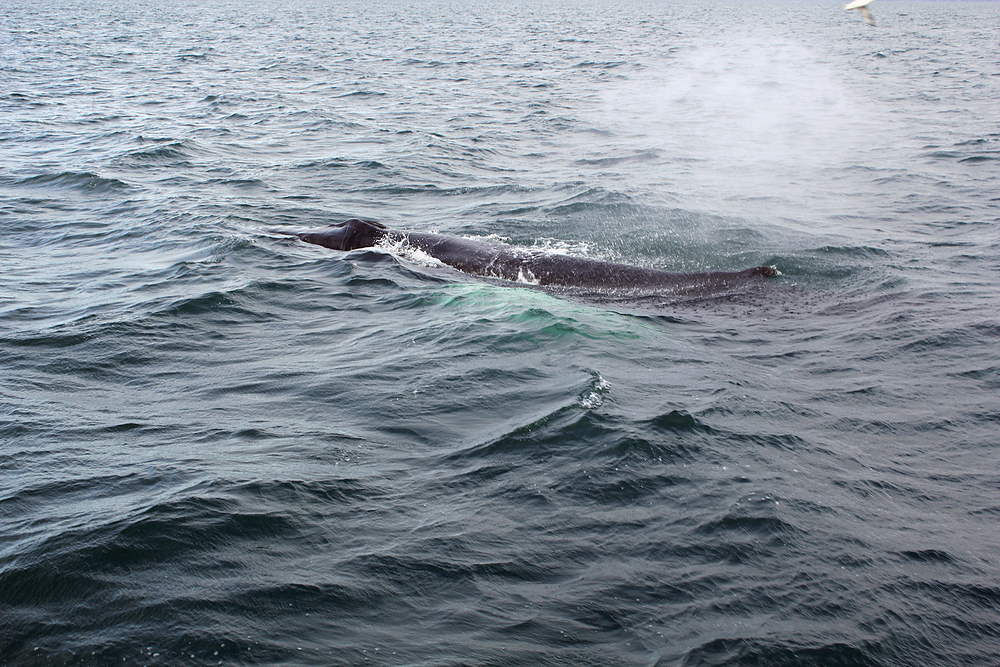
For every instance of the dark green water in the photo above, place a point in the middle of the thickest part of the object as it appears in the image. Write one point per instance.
(218, 446)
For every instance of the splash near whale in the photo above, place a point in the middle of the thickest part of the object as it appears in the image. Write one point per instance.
(524, 265)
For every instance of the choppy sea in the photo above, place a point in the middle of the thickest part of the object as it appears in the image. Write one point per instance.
(219, 446)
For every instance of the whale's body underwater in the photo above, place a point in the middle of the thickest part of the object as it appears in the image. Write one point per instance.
(498, 260)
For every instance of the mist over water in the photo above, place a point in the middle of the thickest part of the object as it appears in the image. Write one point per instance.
(222, 446)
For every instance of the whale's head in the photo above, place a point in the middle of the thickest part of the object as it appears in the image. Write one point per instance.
(348, 235)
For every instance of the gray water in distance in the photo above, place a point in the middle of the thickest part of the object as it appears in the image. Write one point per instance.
(218, 446)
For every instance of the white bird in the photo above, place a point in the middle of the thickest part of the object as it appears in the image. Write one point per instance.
(862, 7)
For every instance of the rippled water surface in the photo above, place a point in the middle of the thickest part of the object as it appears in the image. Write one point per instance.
(220, 446)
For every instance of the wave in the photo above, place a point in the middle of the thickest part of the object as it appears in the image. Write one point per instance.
(241, 183)
(752, 651)
(608, 64)
(87, 182)
(21, 100)
(171, 152)
(641, 156)
(362, 94)
(576, 429)
(343, 163)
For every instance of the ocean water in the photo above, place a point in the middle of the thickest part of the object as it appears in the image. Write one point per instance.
(219, 446)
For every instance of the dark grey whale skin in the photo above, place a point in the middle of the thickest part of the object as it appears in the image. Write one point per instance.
(497, 260)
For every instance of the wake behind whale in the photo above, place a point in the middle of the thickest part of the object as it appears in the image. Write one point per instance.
(530, 266)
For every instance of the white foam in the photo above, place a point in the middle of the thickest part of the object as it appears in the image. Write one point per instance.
(402, 249)
(595, 397)
(526, 276)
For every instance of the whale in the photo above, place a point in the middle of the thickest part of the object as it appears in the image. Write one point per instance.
(527, 265)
